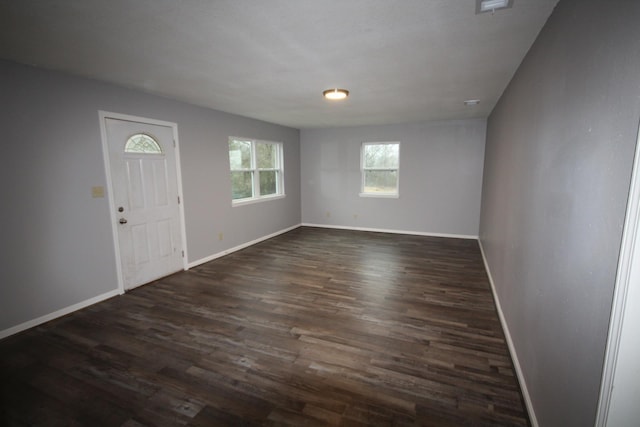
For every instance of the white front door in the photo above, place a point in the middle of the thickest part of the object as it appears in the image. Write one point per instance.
(142, 160)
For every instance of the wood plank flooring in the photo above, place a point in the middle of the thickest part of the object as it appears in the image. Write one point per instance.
(313, 327)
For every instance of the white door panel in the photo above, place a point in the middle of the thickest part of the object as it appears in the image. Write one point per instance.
(145, 193)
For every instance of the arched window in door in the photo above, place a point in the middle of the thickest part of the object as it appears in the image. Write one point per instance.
(142, 143)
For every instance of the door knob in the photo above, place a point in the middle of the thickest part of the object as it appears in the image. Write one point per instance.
(123, 221)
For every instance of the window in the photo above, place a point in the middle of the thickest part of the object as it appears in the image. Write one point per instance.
(380, 164)
(256, 170)
(142, 143)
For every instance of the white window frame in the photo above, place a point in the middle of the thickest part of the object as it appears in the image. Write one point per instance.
(255, 173)
(363, 193)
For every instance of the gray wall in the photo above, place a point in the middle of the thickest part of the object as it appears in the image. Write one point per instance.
(57, 238)
(559, 154)
(440, 177)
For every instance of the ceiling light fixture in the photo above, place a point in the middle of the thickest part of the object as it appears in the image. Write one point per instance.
(483, 6)
(335, 94)
(471, 102)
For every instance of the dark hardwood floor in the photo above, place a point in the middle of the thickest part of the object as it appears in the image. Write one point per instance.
(313, 327)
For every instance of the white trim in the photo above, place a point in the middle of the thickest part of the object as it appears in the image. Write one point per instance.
(242, 246)
(183, 222)
(103, 115)
(277, 233)
(255, 172)
(628, 247)
(381, 195)
(59, 313)
(252, 200)
(384, 230)
(112, 210)
(512, 348)
(395, 194)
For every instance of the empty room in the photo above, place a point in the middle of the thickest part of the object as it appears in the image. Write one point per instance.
(337, 212)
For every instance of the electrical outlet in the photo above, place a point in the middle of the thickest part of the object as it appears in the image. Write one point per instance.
(355, 216)
(220, 236)
(328, 214)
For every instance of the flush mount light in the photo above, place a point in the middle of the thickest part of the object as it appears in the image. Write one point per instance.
(483, 6)
(471, 102)
(335, 94)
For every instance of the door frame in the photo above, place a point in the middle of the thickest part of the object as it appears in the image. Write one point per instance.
(103, 116)
(626, 293)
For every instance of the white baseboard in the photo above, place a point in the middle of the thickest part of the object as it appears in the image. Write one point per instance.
(512, 349)
(59, 313)
(75, 307)
(242, 246)
(384, 230)
(277, 233)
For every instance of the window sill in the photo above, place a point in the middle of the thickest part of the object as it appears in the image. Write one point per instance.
(381, 195)
(242, 202)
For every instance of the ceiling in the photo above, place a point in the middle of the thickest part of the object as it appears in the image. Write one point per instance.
(403, 61)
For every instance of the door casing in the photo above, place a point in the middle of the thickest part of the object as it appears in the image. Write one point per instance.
(617, 401)
(103, 115)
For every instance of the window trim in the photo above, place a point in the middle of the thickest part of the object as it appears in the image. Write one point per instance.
(255, 173)
(382, 195)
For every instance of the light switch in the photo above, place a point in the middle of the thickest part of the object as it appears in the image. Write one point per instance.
(97, 192)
